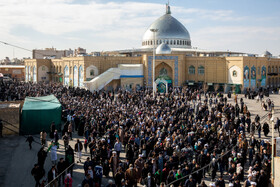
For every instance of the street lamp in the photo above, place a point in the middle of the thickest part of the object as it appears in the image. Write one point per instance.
(272, 142)
(154, 44)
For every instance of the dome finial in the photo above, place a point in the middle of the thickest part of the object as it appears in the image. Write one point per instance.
(168, 8)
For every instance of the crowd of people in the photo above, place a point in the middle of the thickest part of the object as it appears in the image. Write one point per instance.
(179, 139)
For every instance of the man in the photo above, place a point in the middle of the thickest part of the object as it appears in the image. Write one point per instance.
(220, 182)
(87, 164)
(130, 174)
(118, 147)
(114, 162)
(43, 137)
(42, 155)
(30, 139)
(37, 172)
(65, 139)
(70, 159)
(139, 164)
(190, 182)
(98, 172)
(52, 174)
(61, 166)
(149, 181)
(111, 184)
(88, 181)
(78, 150)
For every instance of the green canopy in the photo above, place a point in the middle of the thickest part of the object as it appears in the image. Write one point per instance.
(38, 113)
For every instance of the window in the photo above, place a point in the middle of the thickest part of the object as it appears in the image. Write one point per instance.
(200, 70)
(259, 70)
(234, 73)
(272, 69)
(268, 69)
(92, 72)
(276, 69)
(191, 70)
(43, 68)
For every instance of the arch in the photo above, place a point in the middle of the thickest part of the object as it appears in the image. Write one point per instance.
(200, 70)
(234, 75)
(29, 73)
(66, 75)
(26, 73)
(163, 71)
(191, 70)
(91, 72)
(75, 76)
(34, 74)
(43, 73)
(81, 76)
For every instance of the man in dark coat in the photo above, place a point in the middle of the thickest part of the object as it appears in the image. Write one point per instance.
(37, 172)
(30, 139)
(149, 181)
(42, 155)
(61, 166)
(69, 157)
(52, 174)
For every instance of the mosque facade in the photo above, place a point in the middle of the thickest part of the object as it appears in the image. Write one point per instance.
(177, 63)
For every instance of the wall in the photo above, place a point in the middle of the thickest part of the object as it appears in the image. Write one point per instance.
(131, 83)
(10, 112)
(16, 72)
(215, 69)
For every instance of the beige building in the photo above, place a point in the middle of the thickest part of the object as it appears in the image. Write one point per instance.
(176, 63)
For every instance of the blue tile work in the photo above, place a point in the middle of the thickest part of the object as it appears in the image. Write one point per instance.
(150, 61)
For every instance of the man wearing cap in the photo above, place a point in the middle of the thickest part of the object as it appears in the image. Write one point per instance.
(114, 162)
(139, 164)
(130, 174)
(190, 182)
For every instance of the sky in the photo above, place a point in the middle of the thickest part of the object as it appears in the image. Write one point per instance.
(250, 26)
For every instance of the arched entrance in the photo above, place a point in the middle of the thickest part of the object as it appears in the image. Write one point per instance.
(163, 72)
(66, 76)
(76, 76)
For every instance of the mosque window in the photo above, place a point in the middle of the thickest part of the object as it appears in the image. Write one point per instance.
(167, 42)
(272, 69)
(268, 69)
(200, 70)
(170, 42)
(234, 73)
(92, 72)
(259, 70)
(177, 42)
(276, 69)
(191, 70)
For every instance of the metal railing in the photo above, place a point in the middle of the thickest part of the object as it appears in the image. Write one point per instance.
(63, 172)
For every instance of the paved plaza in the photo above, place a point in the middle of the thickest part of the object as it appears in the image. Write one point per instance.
(16, 160)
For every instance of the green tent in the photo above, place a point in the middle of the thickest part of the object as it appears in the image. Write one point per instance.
(38, 113)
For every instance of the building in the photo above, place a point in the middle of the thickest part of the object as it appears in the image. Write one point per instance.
(13, 71)
(50, 53)
(80, 52)
(177, 63)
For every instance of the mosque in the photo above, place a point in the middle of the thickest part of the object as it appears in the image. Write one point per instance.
(167, 43)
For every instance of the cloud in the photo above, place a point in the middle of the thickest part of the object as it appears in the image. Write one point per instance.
(112, 25)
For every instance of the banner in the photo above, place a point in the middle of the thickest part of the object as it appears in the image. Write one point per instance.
(263, 79)
(246, 77)
(253, 77)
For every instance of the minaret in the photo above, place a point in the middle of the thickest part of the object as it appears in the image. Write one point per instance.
(168, 8)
